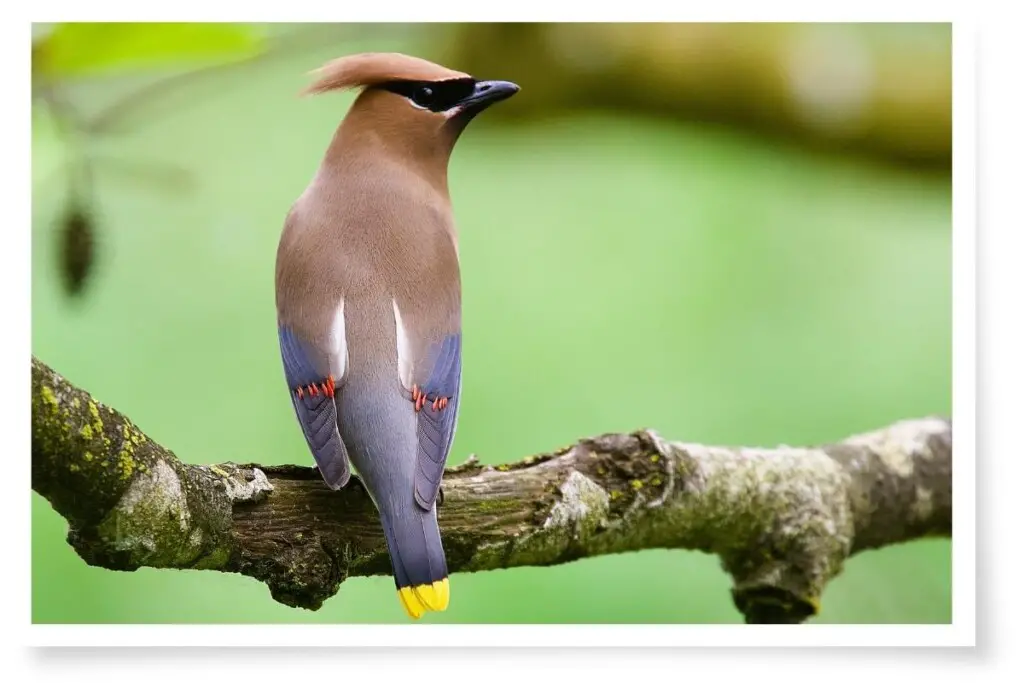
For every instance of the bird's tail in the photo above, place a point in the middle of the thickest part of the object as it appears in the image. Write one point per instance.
(417, 559)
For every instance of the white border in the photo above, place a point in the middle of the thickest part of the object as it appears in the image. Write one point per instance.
(964, 385)
(961, 632)
(433, 636)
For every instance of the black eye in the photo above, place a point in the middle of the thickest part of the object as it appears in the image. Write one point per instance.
(423, 96)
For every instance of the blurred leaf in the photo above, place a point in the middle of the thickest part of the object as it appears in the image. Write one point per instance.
(77, 247)
(79, 49)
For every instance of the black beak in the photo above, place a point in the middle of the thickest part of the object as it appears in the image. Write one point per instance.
(487, 93)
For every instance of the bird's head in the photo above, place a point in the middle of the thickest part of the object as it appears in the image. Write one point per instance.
(413, 106)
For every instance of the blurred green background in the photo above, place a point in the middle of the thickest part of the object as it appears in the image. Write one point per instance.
(734, 234)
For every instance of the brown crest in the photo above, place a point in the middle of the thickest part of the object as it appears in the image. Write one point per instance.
(373, 68)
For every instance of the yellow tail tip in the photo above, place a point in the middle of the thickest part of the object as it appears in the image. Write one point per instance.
(428, 597)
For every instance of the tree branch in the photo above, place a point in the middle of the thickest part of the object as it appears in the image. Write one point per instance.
(782, 520)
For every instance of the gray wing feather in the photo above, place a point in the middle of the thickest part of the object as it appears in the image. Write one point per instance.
(317, 413)
(436, 428)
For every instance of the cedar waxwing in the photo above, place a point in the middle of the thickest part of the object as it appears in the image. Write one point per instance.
(369, 300)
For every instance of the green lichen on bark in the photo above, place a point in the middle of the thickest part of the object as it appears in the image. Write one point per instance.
(129, 502)
(578, 510)
(82, 449)
(151, 525)
(777, 518)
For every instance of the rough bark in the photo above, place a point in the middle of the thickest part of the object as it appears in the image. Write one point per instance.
(782, 520)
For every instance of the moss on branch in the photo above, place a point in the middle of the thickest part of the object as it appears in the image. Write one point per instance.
(782, 520)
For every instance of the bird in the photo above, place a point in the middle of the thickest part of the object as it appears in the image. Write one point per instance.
(369, 300)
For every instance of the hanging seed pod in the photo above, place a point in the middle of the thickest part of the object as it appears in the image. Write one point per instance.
(77, 244)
